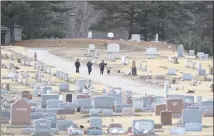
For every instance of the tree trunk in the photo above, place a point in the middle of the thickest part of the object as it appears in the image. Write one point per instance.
(145, 32)
(162, 33)
(131, 23)
(12, 36)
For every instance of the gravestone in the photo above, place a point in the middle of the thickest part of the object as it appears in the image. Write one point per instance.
(91, 47)
(201, 72)
(189, 97)
(28, 96)
(52, 117)
(110, 35)
(123, 60)
(83, 96)
(20, 113)
(53, 103)
(192, 52)
(37, 109)
(200, 55)
(119, 107)
(151, 52)
(207, 103)
(65, 77)
(89, 34)
(84, 111)
(5, 113)
(199, 100)
(103, 102)
(177, 131)
(96, 122)
(62, 125)
(141, 102)
(42, 126)
(113, 48)
(95, 112)
(68, 97)
(161, 100)
(46, 97)
(117, 95)
(206, 56)
(84, 103)
(159, 108)
(199, 66)
(191, 115)
(186, 76)
(107, 112)
(171, 72)
(37, 115)
(175, 105)
(166, 117)
(135, 37)
(67, 105)
(192, 127)
(128, 111)
(180, 50)
(94, 131)
(46, 89)
(80, 84)
(176, 96)
(143, 126)
(64, 87)
(193, 66)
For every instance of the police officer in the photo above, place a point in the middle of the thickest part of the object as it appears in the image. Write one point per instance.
(77, 65)
(89, 66)
(102, 67)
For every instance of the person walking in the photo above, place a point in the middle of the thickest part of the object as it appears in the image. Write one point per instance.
(102, 67)
(89, 66)
(77, 65)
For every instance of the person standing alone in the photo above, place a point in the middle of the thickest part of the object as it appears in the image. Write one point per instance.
(77, 65)
(89, 66)
(102, 67)
(35, 56)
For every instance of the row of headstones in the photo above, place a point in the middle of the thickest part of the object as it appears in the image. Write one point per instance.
(200, 55)
(173, 59)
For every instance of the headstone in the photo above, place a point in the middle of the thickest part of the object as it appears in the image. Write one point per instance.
(201, 72)
(64, 87)
(123, 60)
(28, 96)
(192, 127)
(207, 103)
(42, 126)
(192, 52)
(5, 113)
(206, 56)
(199, 66)
(20, 113)
(166, 117)
(200, 55)
(144, 126)
(176, 96)
(177, 131)
(46, 89)
(96, 122)
(103, 102)
(186, 76)
(135, 37)
(95, 112)
(91, 47)
(110, 35)
(94, 131)
(53, 103)
(171, 72)
(27, 131)
(83, 96)
(142, 102)
(175, 105)
(193, 66)
(180, 50)
(80, 84)
(191, 115)
(161, 100)
(89, 34)
(190, 98)
(151, 52)
(159, 108)
(62, 125)
(84, 111)
(84, 103)
(52, 117)
(107, 112)
(119, 107)
(37, 109)
(113, 47)
(199, 100)
(66, 77)
(67, 105)
(128, 111)
(46, 97)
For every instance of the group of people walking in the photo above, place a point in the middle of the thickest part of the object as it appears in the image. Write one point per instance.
(89, 66)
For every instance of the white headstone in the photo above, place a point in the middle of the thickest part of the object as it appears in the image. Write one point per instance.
(135, 37)
(206, 56)
(200, 55)
(110, 35)
(91, 47)
(113, 47)
(151, 51)
(156, 37)
(90, 34)
(191, 52)
(180, 50)
(123, 60)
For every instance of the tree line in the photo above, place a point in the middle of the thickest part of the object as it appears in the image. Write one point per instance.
(187, 23)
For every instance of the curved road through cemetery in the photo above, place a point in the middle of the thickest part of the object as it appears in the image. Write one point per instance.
(110, 80)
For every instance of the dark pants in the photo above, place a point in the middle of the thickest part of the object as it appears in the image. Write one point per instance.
(89, 71)
(101, 71)
(77, 70)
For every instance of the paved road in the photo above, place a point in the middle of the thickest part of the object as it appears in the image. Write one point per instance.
(110, 80)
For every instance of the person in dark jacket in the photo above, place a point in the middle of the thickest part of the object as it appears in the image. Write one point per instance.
(89, 66)
(35, 56)
(77, 65)
(102, 67)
